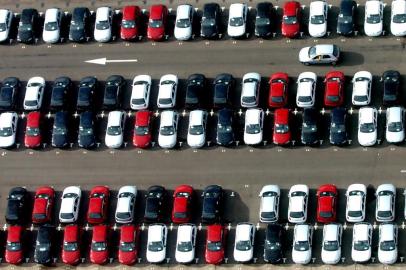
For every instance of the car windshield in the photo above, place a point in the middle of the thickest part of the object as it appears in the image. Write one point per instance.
(185, 246)
(141, 130)
(165, 101)
(326, 214)
(183, 23)
(128, 24)
(138, 101)
(13, 246)
(361, 98)
(301, 245)
(214, 245)
(155, 246)
(289, 20)
(102, 25)
(277, 99)
(260, 21)
(281, 128)
(77, 24)
(25, 27)
(196, 130)
(31, 103)
(373, 18)
(312, 52)
(399, 18)
(253, 129)
(83, 131)
(167, 130)
(268, 215)
(3, 27)
(384, 214)
(333, 98)
(337, 128)
(296, 214)
(344, 18)
(6, 132)
(395, 127)
(155, 23)
(243, 245)
(317, 19)
(32, 131)
(99, 246)
(70, 246)
(387, 245)
(304, 98)
(51, 26)
(236, 21)
(367, 127)
(123, 215)
(208, 22)
(309, 128)
(272, 245)
(330, 245)
(66, 216)
(127, 246)
(59, 130)
(224, 128)
(114, 130)
(361, 245)
(249, 99)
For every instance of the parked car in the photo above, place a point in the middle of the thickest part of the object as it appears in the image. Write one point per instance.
(99, 245)
(361, 88)
(338, 126)
(86, 134)
(156, 244)
(103, 25)
(318, 18)
(298, 198)
(130, 22)
(154, 203)
(168, 86)
(16, 203)
(52, 25)
(211, 19)
(212, 206)
(356, 198)
(141, 88)
(273, 246)
(14, 245)
(196, 136)
(306, 89)
(185, 243)
(334, 90)
(43, 205)
(8, 129)
(125, 209)
(60, 130)
(34, 93)
(33, 136)
(71, 244)
(244, 242)
(44, 245)
(113, 91)
(28, 26)
(6, 18)
(215, 244)
(281, 130)
(59, 95)
(320, 54)
(391, 85)
(182, 204)
(278, 90)
(327, 196)
(373, 23)
(129, 243)
(223, 86)
(79, 25)
(251, 82)
(254, 124)
(395, 125)
(184, 22)
(98, 205)
(157, 22)
(361, 242)
(367, 126)
(115, 129)
(86, 92)
(388, 243)
(264, 20)
(168, 129)
(291, 19)
(237, 20)
(225, 132)
(309, 132)
(142, 129)
(398, 22)
(331, 246)
(302, 243)
(195, 90)
(70, 204)
(385, 203)
(8, 93)
(269, 205)
(346, 17)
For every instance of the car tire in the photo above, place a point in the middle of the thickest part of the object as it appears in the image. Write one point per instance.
(334, 63)
(306, 64)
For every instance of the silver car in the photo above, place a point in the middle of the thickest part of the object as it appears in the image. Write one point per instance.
(319, 54)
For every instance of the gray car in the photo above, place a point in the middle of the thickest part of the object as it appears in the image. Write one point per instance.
(319, 54)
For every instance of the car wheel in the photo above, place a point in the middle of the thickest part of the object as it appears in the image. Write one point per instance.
(306, 63)
(334, 63)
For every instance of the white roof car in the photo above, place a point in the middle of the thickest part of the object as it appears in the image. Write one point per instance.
(168, 129)
(395, 125)
(52, 25)
(251, 82)
(34, 93)
(8, 129)
(103, 24)
(388, 243)
(356, 197)
(373, 23)
(361, 242)
(6, 17)
(269, 206)
(70, 204)
(156, 245)
(237, 20)
(361, 88)
(385, 202)
(318, 18)
(115, 129)
(184, 22)
(168, 86)
(298, 197)
(254, 122)
(126, 198)
(302, 244)
(185, 243)
(398, 18)
(306, 89)
(244, 242)
(367, 126)
(196, 136)
(140, 92)
(319, 54)
(331, 246)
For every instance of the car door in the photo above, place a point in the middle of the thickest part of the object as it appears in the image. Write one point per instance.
(14, 124)
(252, 235)
(75, 208)
(194, 236)
(325, 12)
(305, 206)
(340, 235)
(164, 235)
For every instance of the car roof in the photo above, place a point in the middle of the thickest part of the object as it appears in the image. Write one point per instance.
(155, 232)
(243, 230)
(196, 117)
(71, 233)
(114, 118)
(127, 233)
(167, 118)
(44, 233)
(360, 231)
(331, 232)
(156, 11)
(3, 14)
(27, 13)
(386, 231)
(14, 233)
(182, 12)
(366, 115)
(51, 15)
(78, 12)
(86, 118)
(102, 13)
(301, 232)
(99, 233)
(60, 118)
(394, 114)
(224, 116)
(129, 12)
(281, 116)
(185, 232)
(210, 8)
(272, 231)
(252, 115)
(324, 48)
(317, 7)
(337, 115)
(142, 118)
(6, 119)
(264, 9)
(372, 6)
(398, 7)
(236, 10)
(33, 119)
(289, 9)
(346, 7)
(214, 232)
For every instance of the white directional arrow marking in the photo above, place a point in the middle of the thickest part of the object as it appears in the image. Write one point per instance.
(104, 61)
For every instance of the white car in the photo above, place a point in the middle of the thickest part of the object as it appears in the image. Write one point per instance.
(331, 246)
(70, 204)
(140, 92)
(398, 18)
(269, 206)
(156, 244)
(115, 129)
(126, 198)
(168, 86)
(184, 22)
(361, 88)
(185, 243)
(356, 197)
(361, 242)
(298, 197)
(6, 17)
(306, 89)
(254, 123)
(385, 202)
(302, 244)
(395, 125)
(196, 136)
(34, 93)
(168, 129)
(8, 129)
(103, 24)
(237, 20)
(251, 82)
(373, 23)
(52, 25)
(318, 18)
(367, 126)
(388, 243)
(244, 242)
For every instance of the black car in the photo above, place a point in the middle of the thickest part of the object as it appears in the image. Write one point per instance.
(27, 27)
(43, 246)
(223, 86)
(87, 87)
(212, 204)
(225, 133)
(210, 27)
(338, 126)
(309, 126)
(273, 243)
(8, 93)
(60, 91)
(113, 91)
(264, 19)
(391, 83)
(196, 84)
(346, 18)
(154, 203)
(15, 205)
(86, 138)
(79, 24)
(60, 130)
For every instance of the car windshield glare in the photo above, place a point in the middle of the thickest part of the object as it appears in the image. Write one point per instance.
(155, 246)
(183, 23)
(290, 19)
(361, 98)
(317, 19)
(367, 127)
(141, 130)
(387, 245)
(272, 245)
(196, 130)
(6, 131)
(236, 21)
(301, 245)
(243, 245)
(3, 27)
(330, 245)
(185, 246)
(167, 130)
(395, 127)
(361, 245)
(224, 128)
(253, 129)
(309, 128)
(51, 26)
(214, 245)
(374, 18)
(281, 128)
(344, 18)
(33, 132)
(102, 25)
(127, 246)
(13, 246)
(70, 246)
(399, 18)
(114, 130)
(128, 24)
(337, 128)
(155, 23)
(261, 21)
(206, 22)
(99, 246)
(83, 131)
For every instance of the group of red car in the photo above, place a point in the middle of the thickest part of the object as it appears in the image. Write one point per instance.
(327, 196)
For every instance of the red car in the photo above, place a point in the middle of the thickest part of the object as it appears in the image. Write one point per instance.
(43, 203)
(128, 249)
(334, 92)
(71, 245)
(281, 130)
(182, 203)
(98, 205)
(14, 250)
(157, 22)
(98, 247)
(142, 129)
(326, 203)
(215, 244)
(130, 22)
(278, 90)
(291, 19)
(32, 131)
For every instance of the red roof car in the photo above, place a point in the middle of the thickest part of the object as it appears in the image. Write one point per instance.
(32, 131)
(281, 130)
(326, 203)
(157, 22)
(142, 129)
(71, 245)
(98, 205)
(43, 203)
(98, 247)
(182, 203)
(128, 249)
(291, 19)
(278, 90)
(215, 244)
(334, 92)
(129, 23)
(14, 250)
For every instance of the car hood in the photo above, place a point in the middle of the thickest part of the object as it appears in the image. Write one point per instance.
(373, 30)
(361, 256)
(301, 257)
(243, 256)
(304, 54)
(398, 29)
(183, 33)
(7, 141)
(86, 140)
(50, 36)
(70, 257)
(98, 257)
(195, 140)
(3, 35)
(184, 257)
(114, 140)
(252, 139)
(387, 257)
(236, 31)
(59, 140)
(366, 139)
(156, 257)
(102, 35)
(167, 141)
(13, 257)
(330, 257)
(225, 138)
(77, 34)
(394, 137)
(318, 30)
